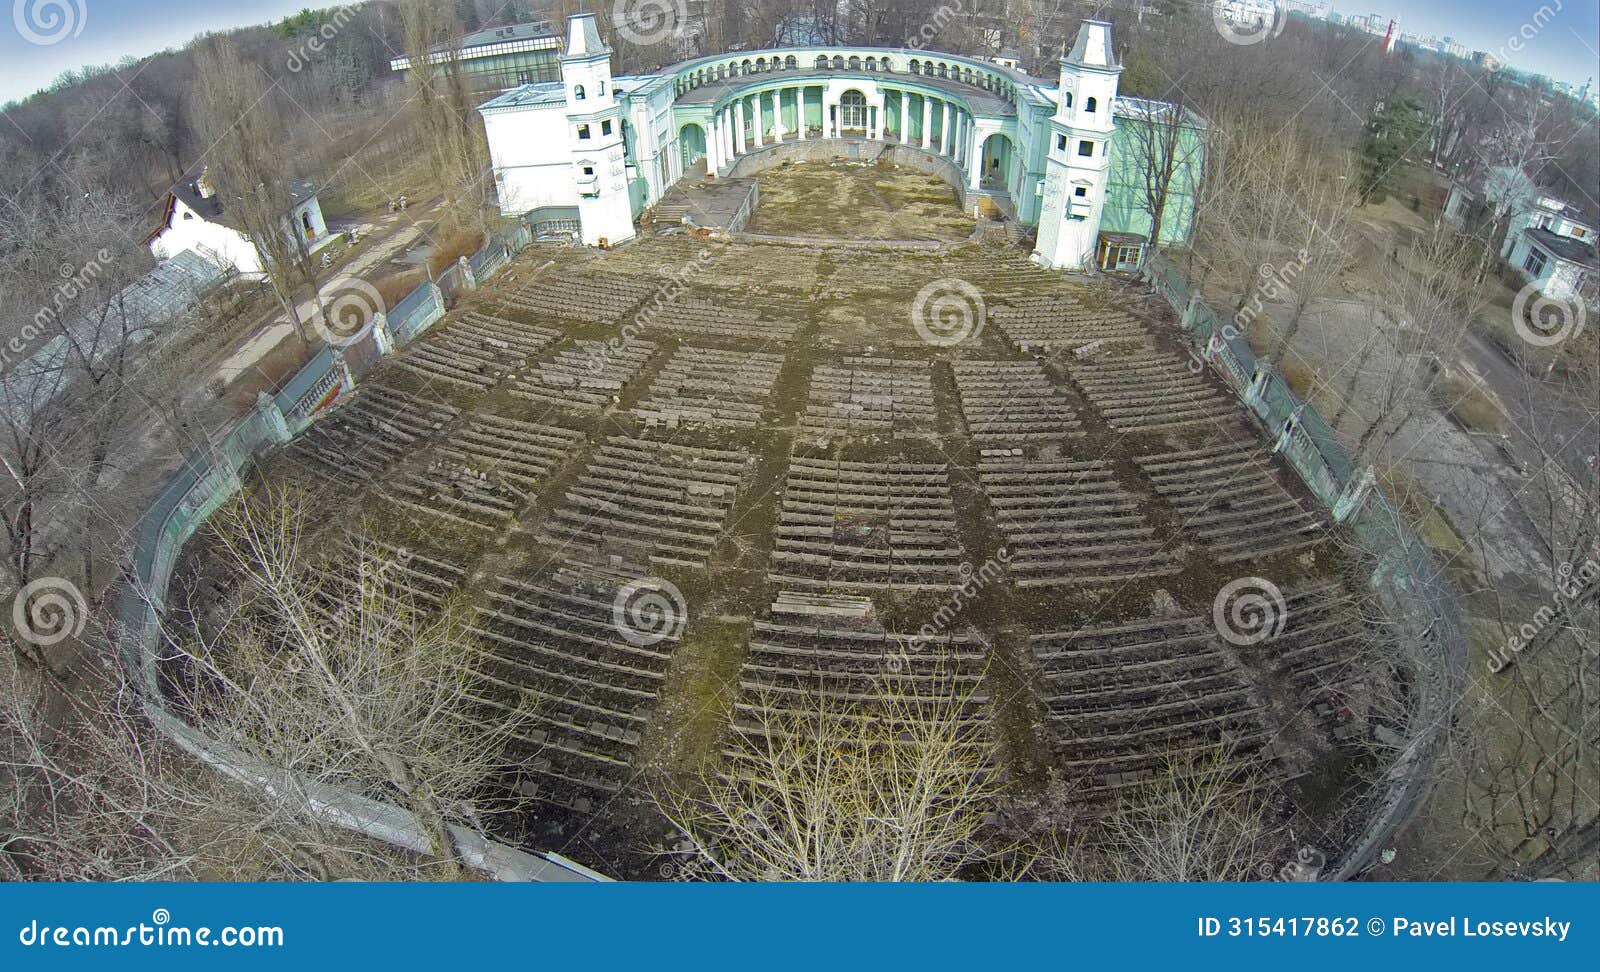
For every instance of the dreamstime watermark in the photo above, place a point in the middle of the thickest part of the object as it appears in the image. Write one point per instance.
(947, 312)
(1307, 866)
(47, 22)
(678, 280)
(300, 58)
(937, 21)
(1542, 16)
(1248, 22)
(1249, 611)
(349, 305)
(74, 281)
(159, 932)
(1571, 583)
(1545, 322)
(973, 583)
(645, 23)
(48, 611)
(1273, 283)
(649, 611)
(372, 573)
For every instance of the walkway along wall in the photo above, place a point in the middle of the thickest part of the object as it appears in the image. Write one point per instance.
(1408, 582)
(208, 480)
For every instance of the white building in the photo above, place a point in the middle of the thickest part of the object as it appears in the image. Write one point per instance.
(605, 150)
(1545, 240)
(193, 218)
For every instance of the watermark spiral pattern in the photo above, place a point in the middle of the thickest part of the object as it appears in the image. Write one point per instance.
(649, 611)
(48, 611)
(1249, 611)
(947, 312)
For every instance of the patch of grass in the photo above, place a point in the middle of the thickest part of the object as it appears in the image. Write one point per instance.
(1469, 403)
(1417, 506)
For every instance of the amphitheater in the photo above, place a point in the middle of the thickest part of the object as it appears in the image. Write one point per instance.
(1045, 500)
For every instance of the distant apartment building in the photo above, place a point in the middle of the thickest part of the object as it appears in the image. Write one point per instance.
(1319, 11)
(1247, 13)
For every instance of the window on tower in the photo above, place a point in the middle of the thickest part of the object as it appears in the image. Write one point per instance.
(1061, 143)
(1081, 192)
(583, 131)
(1086, 149)
(577, 92)
(605, 128)
(1069, 99)
(1092, 105)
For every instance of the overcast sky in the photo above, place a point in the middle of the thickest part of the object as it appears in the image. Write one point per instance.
(47, 37)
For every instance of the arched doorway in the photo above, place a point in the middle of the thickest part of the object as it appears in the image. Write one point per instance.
(692, 143)
(853, 113)
(998, 153)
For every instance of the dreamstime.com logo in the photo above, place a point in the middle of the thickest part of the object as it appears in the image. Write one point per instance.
(645, 23)
(1545, 322)
(1247, 22)
(649, 611)
(319, 39)
(46, 22)
(947, 312)
(1249, 611)
(349, 304)
(159, 933)
(48, 611)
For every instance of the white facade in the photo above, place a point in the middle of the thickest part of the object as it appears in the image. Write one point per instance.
(1079, 151)
(1003, 133)
(222, 245)
(1556, 278)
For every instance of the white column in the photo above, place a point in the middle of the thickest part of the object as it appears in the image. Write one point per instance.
(777, 115)
(947, 136)
(713, 146)
(927, 121)
(905, 116)
(760, 103)
(800, 112)
(738, 127)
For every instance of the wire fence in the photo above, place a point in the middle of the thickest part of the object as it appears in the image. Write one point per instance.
(214, 474)
(1408, 582)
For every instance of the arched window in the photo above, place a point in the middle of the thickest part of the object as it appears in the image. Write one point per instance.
(838, 62)
(722, 71)
(944, 70)
(790, 63)
(886, 65)
(577, 92)
(916, 66)
(854, 63)
(871, 64)
(822, 62)
(600, 90)
(853, 111)
(1091, 106)
(966, 75)
(1067, 99)
(744, 66)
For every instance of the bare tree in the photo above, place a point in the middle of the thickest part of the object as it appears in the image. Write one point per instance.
(348, 687)
(834, 792)
(247, 168)
(1200, 821)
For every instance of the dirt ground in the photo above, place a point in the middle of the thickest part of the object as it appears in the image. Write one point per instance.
(858, 201)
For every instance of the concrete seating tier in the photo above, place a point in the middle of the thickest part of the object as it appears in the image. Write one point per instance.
(473, 350)
(582, 297)
(1072, 524)
(846, 670)
(866, 526)
(592, 691)
(1123, 700)
(1051, 324)
(696, 316)
(421, 582)
(863, 396)
(1013, 403)
(355, 442)
(585, 378)
(704, 386)
(668, 503)
(485, 472)
(1230, 500)
(1149, 391)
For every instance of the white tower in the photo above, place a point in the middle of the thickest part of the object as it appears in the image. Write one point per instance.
(594, 132)
(1080, 147)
